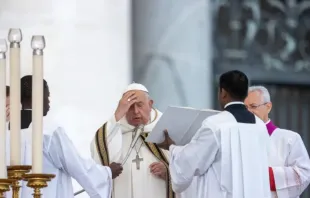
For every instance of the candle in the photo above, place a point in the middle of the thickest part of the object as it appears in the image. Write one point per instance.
(15, 37)
(37, 44)
(3, 49)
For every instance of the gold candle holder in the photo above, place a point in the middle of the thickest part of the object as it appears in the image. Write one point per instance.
(17, 173)
(5, 186)
(37, 182)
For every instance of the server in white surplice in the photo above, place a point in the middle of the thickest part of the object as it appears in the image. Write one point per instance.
(228, 154)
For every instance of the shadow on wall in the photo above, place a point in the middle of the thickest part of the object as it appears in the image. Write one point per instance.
(151, 60)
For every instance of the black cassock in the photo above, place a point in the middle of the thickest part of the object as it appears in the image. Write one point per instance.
(26, 119)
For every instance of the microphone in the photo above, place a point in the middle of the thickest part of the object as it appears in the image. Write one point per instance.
(139, 130)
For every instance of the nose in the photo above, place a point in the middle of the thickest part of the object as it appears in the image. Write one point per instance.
(136, 109)
(251, 110)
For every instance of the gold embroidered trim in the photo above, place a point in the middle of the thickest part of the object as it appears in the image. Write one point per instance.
(158, 153)
(101, 145)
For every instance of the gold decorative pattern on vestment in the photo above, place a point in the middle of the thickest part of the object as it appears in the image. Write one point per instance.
(101, 145)
(102, 149)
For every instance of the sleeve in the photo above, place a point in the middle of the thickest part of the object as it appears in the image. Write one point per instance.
(94, 178)
(193, 159)
(113, 126)
(294, 178)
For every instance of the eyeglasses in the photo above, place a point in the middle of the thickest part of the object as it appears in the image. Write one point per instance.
(254, 106)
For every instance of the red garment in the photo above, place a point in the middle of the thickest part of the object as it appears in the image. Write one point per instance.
(272, 180)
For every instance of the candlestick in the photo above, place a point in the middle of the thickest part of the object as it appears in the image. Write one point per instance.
(4, 187)
(37, 182)
(15, 37)
(17, 173)
(37, 44)
(3, 50)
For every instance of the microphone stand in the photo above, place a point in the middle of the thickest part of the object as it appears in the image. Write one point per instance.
(139, 130)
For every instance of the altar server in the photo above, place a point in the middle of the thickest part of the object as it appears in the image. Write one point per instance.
(228, 154)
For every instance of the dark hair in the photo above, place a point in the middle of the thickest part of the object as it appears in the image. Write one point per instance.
(7, 91)
(236, 83)
(26, 88)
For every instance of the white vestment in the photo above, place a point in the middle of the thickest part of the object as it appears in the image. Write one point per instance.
(229, 159)
(61, 158)
(290, 163)
(132, 183)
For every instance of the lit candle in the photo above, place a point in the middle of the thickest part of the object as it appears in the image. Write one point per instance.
(3, 50)
(15, 37)
(37, 44)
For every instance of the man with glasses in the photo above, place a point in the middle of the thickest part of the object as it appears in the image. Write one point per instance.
(289, 173)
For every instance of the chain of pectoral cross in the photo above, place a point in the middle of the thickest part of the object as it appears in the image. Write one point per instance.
(137, 160)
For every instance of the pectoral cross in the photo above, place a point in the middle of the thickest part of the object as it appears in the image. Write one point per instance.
(137, 160)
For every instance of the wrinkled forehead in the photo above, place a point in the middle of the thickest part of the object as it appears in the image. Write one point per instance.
(254, 97)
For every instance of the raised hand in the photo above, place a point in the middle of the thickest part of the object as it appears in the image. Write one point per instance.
(124, 104)
(159, 170)
(116, 169)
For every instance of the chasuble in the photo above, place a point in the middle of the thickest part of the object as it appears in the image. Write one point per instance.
(228, 156)
(111, 143)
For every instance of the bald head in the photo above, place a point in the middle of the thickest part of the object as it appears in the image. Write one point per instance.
(140, 111)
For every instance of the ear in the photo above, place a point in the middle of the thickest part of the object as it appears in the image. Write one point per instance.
(223, 93)
(151, 103)
(269, 106)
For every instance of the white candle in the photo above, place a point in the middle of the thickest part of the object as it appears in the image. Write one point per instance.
(15, 37)
(37, 44)
(3, 50)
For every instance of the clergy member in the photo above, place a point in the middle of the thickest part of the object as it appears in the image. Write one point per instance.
(25, 99)
(62, 159)
(145, 172)
(289, 173)
(228, 154)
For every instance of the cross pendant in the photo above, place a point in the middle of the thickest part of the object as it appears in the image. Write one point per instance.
(137, 161)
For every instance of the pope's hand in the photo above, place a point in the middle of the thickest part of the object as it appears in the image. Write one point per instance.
(116, 169)
(128, 99)
(159, 170)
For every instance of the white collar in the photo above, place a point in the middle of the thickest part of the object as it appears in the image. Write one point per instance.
(267, 121)
(231, 103)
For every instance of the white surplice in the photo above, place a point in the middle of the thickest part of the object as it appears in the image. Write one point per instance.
(290, 163)
(61, 158)
(132, 183)
(229, 159)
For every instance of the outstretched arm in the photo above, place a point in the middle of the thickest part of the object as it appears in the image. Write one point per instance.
(291, 180)
(94, 178)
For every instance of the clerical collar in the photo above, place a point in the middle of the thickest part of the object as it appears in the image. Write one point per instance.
(27, 109)
(232, 103)
(270, 127)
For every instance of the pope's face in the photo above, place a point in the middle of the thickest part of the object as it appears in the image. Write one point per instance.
(255, 103)
(139, 112)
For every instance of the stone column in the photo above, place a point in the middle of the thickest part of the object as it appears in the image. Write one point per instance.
(172, 53)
